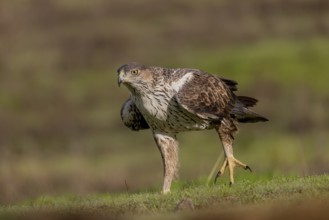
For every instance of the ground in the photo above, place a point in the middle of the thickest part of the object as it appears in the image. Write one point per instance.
(263, 197)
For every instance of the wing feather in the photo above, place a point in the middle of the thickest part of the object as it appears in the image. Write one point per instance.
(132, 117)
(207, 96)
(231, 84)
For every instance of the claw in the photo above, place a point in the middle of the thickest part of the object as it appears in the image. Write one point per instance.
(248, 168)
(217, 175)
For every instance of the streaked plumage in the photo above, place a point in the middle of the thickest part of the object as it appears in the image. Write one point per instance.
(170, 101)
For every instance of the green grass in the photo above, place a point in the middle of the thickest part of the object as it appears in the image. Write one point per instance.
(258, 192)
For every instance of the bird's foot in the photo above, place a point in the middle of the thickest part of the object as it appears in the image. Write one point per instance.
(248, 168)
(221, 170)
(231, 163)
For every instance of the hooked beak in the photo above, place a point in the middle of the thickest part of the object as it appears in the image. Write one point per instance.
(119, 81)
(120, 75)
(121, 78)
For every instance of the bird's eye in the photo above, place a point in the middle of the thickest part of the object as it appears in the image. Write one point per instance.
(134, 72)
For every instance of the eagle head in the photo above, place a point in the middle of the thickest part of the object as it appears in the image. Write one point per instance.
(135, 76)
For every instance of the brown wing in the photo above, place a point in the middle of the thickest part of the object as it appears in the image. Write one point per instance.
(132, 117)
(207, 96)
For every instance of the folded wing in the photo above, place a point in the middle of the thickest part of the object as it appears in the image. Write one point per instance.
(132, 117)
(207, 96)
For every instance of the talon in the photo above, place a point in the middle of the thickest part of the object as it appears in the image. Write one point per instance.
(248, 168)
(217, 175)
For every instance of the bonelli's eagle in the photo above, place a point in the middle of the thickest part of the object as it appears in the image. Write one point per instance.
(169, 101)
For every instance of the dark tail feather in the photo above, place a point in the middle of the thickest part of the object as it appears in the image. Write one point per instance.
(251, 117)
(247, 101)
(242, 112)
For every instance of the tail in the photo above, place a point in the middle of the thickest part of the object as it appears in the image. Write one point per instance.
(242, 112)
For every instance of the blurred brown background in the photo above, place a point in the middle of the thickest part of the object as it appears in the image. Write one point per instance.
(60, 128)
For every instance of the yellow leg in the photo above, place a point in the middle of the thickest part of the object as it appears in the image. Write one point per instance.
(231, 163)
(225, 131)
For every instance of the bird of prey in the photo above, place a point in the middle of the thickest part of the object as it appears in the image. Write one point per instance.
(169, 101)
